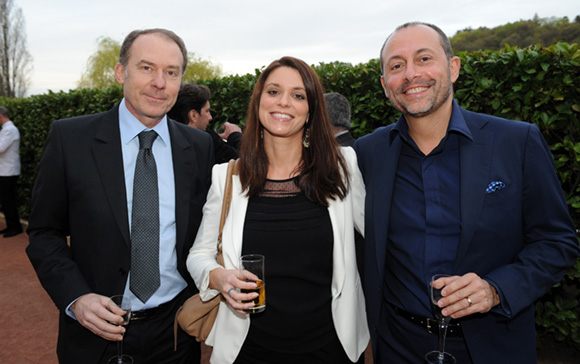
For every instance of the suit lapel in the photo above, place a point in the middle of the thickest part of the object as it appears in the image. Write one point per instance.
(385, 160)
(109, 159)
(475, 164)
(183, 158)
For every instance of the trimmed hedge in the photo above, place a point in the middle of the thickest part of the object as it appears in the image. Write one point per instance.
(534, 84)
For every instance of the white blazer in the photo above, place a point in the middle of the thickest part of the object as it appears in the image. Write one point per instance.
(348, 305)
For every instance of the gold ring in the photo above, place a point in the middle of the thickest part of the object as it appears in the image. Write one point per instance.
(230, 291)
(469, 301)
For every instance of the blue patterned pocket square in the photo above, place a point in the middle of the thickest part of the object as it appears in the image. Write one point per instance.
(494, 186)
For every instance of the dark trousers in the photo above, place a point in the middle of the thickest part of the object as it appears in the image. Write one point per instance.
(8, 201)
(332, 353)
(151, 340)
(403, 342)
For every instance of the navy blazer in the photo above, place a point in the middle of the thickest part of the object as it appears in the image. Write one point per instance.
(520, 237)
(80, 192)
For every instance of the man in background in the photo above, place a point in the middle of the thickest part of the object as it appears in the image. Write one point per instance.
(9, 172)
(193, 108)
(339, 112)
(127, 188)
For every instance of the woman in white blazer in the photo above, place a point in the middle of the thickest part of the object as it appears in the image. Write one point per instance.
(296, 200)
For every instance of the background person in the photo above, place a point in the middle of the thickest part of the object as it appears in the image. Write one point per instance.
(193, 108)
(85, 190)
(296, 201)
(451, 191)
(339, 112)
(9, 172)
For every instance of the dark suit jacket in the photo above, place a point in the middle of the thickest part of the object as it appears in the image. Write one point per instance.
(80, 192)
(224, 151)
(346, 139)
(520, 237)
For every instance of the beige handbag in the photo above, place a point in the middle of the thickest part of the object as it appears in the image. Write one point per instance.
(197, 317)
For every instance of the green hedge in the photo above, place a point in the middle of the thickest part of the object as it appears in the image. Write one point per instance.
(534, 84)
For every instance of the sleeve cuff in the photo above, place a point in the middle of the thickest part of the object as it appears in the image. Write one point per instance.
(503, 308)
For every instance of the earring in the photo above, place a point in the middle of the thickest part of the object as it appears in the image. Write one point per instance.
(306, 138)
(261, 133)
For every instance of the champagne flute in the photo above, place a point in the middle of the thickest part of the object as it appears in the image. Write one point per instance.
(124, 302)
(439, 356)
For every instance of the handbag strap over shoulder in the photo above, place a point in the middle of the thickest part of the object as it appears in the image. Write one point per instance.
(227, 199)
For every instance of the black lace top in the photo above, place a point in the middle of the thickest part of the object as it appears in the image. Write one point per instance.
(295, 236)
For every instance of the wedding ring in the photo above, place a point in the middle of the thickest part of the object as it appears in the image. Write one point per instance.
(231, 289)
(469, 301)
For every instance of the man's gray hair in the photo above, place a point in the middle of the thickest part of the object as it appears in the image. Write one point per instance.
(338, 110)
(4, 112)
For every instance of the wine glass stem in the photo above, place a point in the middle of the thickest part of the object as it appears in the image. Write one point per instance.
(120, 350)
(442, 335)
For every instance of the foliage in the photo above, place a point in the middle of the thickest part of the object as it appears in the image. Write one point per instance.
(360, 84)
(230, 98)
(15, 60)
(200, 69)
(533, 84)
(545, 31)
(558, 313)
(100, 70)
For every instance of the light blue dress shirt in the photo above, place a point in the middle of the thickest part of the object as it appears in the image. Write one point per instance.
(171, 281)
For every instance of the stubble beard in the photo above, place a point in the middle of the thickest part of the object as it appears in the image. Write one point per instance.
(433, 104)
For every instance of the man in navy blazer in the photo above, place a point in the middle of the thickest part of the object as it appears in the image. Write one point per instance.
(469, 195)
(83, 193)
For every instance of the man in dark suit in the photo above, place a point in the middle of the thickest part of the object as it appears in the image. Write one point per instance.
(84, 192)
(339, 111)
(455, 192)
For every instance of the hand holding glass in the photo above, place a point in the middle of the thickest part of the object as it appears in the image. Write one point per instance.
(254, 263)
(440, 356)
(124, 303)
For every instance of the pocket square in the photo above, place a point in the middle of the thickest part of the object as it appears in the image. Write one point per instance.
(494, 186)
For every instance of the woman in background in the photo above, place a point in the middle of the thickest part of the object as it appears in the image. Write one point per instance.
(295, 201)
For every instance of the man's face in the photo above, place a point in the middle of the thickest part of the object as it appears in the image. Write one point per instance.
(202, 119)
(152, 77)
(418, 78)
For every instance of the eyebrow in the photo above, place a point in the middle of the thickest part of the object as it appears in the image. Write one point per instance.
(418, 51)
(144, 61)
(278, 85)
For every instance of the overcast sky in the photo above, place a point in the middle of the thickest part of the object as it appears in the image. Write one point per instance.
(242, 35)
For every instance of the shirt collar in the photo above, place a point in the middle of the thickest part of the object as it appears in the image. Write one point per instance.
(130, 126)
(457, 125)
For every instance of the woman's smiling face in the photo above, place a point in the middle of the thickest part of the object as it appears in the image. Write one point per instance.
(284, 104)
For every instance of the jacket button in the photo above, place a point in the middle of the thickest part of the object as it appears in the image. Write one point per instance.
(122, 271)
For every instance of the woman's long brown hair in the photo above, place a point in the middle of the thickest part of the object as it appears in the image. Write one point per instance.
(323, 171)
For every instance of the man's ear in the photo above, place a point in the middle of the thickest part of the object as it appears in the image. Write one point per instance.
(192, 117)
(454, 67)
(385, 88)
(120, 73)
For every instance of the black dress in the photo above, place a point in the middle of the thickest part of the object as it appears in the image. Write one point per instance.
(295, 235)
